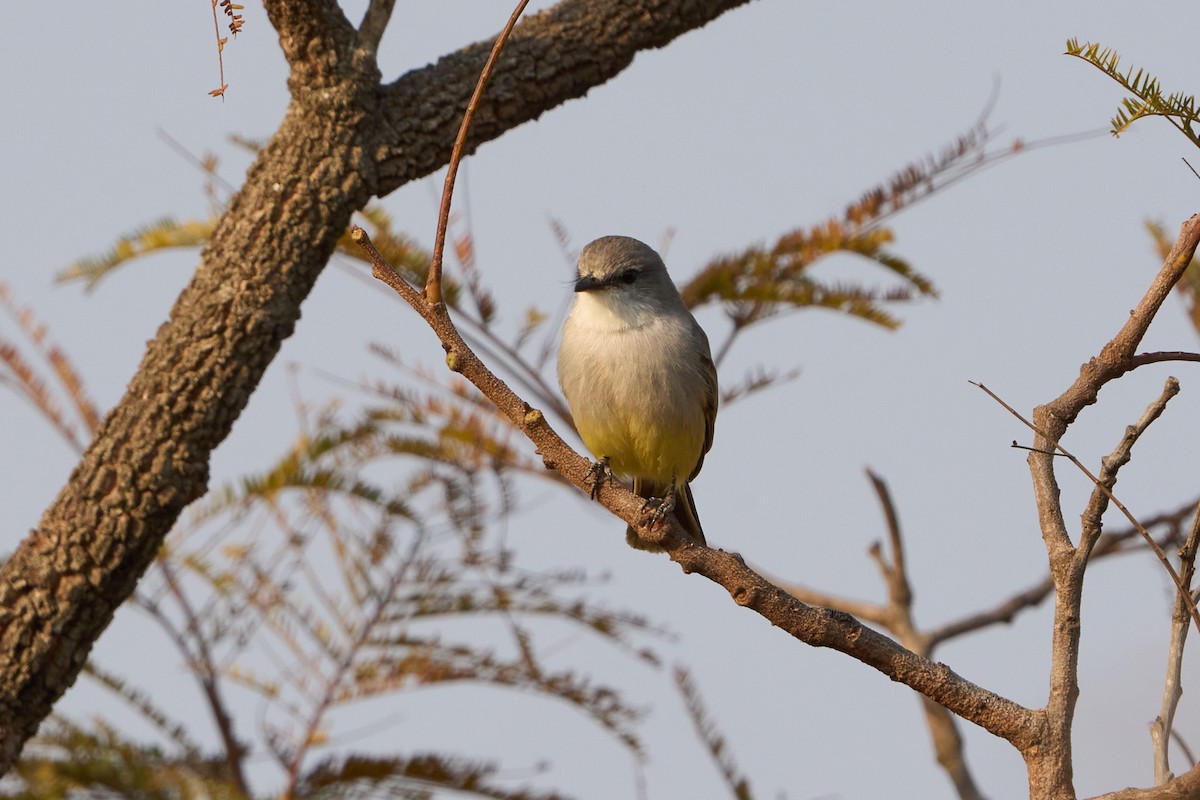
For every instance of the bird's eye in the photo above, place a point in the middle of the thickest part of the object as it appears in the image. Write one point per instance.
(629, 276)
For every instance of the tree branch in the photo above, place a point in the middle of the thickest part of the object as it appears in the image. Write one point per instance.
(943, 731)
(552, 57)
(342, 140)
(1143, 359)
(1050, 764)
(374, 23)
(433, 283)
(1185, 787)
(819, 627)
(1109, 544)
(204, 668)
(1162, 727)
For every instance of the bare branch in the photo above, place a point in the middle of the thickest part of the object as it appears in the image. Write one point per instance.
(374, 23)
(1185, 787)
(433, 284)
(204, 668)
(1005, 612)
(1162, 727)
(1183, 745)
(819, 627)
(943, 730)
(1109, 544)
(1114, 360)
(1091, 517)
(1109, 467)
(150, 459)
(895, 575)
(1142, 359)
(871, 612)
(1049, 765)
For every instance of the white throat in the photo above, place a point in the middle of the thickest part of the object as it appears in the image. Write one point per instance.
(611, 310)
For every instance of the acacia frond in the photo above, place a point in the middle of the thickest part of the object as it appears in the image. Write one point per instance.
(25, 379)
(395, 664)
(1189, 284)
(144, 704)
(755, 381)
(522, 595)
(714, 742)
(757, 282)
(67, 761)
(341, 588)
(534, 319)
(409, 778)
(163, 234)
(463, 246)
(252, 146)
(303, 468)
(966, 154)
(1148, 99)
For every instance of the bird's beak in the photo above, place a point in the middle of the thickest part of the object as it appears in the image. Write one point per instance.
(586, 283)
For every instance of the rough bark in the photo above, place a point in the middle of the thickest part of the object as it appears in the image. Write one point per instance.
(344, 138)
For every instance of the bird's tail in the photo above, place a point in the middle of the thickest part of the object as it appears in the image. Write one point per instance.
(685, 512)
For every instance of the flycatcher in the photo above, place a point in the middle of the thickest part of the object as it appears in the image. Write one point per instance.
(637, 372)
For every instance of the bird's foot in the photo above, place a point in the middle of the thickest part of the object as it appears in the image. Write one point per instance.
(660, 506)
(598, 474)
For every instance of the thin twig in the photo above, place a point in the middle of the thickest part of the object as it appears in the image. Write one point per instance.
(1112, 464)
(943, 730)
(860, 609)
(1163, 725)
(1003, 613)
(896, 574)
(1183, 745)
(1158, 552)
(1109, 544)
(220, 92)
(433, 284)
(374, 23)
(1142, 359)
(204, 668)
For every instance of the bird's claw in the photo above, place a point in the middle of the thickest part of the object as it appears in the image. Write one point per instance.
(661, 505)
(598, 474)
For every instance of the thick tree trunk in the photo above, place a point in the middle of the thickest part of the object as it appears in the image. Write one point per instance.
(344, 139)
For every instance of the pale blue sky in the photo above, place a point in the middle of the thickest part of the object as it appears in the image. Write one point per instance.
(770, 118)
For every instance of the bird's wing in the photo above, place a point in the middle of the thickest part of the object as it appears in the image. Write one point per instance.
(709, 372)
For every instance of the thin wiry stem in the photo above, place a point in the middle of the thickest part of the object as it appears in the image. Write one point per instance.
(433, 284)
(1171, 389)
(205, 670)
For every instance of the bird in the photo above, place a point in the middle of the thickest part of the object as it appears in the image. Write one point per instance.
(639, 378)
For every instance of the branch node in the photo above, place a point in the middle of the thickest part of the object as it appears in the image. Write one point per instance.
(743, 595)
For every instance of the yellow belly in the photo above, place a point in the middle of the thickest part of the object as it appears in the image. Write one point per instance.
(651, 446)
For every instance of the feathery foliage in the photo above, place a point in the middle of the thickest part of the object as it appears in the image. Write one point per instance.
(714, 741)
(1148, 99)
(416, 778)
(364, 561)
(757, 282)
(1189, 284)
(67, 762)
(163, 234)
(53, 385)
